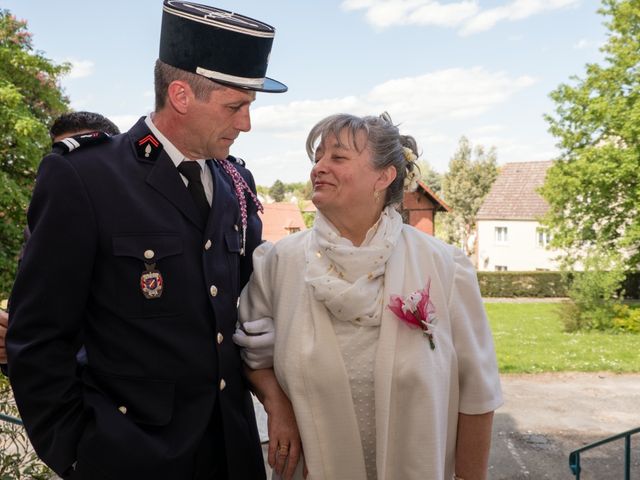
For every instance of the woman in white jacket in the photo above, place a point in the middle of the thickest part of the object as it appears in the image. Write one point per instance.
(382, 345)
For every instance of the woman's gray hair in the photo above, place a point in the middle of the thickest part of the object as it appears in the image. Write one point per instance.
(164, 74)
(384, 141)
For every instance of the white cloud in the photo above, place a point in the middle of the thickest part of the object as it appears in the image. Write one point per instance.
(466, 15)
(450, 93)
(432, 107)
(515, 10)
(428, 98)
(80, 68)
(449, 15)
(298, 115)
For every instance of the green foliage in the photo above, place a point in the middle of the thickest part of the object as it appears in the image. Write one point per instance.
(464, 187)
(626, 319)
(540, 284)
(309, 218)
(281, 191)
(430, 177)
(277, 191)
(30, 99)
(529, 338)
(522, 284)
(17, 458)
(300, 190)
(262, 190)
(594, 189)
(594, 295)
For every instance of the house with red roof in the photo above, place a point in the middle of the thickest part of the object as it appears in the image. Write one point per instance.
(280, 219)
(419, 208)
(509, 233)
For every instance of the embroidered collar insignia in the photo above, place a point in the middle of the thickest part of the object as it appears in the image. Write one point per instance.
(148, 147)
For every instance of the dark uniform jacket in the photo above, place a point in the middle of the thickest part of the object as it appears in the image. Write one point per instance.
(100, 216)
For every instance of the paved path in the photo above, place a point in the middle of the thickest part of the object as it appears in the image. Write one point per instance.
(546, 416)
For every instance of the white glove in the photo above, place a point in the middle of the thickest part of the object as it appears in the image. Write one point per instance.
(257, 339)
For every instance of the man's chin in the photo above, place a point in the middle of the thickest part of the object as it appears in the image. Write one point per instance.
(221, 153)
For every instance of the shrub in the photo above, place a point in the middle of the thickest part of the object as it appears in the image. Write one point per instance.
(626, 319)
(594, 295)
(522, 284)
(17, 458)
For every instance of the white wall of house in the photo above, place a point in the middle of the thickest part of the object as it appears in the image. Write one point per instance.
(513, 245)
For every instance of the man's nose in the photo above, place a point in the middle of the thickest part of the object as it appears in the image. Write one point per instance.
(243, 121)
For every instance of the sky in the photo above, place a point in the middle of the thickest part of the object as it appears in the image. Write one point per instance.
(441, 68)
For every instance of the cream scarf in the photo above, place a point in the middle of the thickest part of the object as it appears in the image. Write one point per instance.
(346, 279)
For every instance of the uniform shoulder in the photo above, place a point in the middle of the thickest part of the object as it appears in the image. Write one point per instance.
(237, 161)
(80, 141)
(244, 172)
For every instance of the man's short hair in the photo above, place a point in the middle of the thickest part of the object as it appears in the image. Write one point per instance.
(73, 122)
(164, 74)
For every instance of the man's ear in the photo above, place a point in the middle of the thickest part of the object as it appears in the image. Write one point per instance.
(179, 95)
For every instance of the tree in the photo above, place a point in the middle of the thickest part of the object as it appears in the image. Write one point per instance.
(277, 191)
(30, 98)
(469, 179)
(593, 189)
(297, 191)
(430, 177)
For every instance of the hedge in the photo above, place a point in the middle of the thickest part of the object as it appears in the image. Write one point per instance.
(540, 284)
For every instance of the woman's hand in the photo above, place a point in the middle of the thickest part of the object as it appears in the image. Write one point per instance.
(285, 447)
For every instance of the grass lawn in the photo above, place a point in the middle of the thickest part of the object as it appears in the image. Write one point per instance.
(529, 339)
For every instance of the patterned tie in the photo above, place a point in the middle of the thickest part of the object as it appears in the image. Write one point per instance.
(191, 170)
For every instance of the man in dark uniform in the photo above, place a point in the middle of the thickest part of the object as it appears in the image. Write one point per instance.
(77, 125)
(143, 242)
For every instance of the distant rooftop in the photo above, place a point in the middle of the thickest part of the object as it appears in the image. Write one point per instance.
(439, 204)
(513, 195)
(280, 220)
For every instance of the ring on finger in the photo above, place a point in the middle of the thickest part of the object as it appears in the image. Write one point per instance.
(283, 450)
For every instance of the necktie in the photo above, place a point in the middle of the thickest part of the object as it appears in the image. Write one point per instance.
(191, 170)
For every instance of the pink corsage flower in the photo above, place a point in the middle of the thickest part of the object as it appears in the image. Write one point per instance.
(416, 310)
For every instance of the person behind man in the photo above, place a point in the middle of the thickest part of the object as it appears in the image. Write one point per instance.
(143, 243)
(382, 344)
(66, 125)
(76, 123)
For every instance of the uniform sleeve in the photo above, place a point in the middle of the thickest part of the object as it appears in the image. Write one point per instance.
(479, 383)
(47, 310)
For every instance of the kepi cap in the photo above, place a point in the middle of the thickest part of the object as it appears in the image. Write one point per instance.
(223, 46)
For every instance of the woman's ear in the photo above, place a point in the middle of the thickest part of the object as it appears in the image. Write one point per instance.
(179, 95)
(387, 176)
